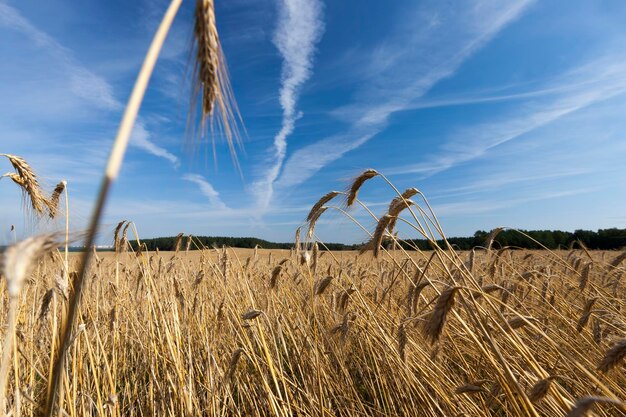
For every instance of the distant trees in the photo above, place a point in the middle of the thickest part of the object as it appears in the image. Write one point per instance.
(552, 239)
(169, 243)
(603, 239)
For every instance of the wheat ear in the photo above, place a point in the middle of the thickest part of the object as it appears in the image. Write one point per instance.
(211, 81)
(53, 203)
(26, 178)
(613, 356)
(358, 183)
(585, 404)
(434, 326)
(325, 199)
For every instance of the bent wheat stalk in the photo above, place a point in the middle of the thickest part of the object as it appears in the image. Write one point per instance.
(112, 170)
(209, 48)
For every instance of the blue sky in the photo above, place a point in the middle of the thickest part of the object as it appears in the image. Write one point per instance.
(502, 113)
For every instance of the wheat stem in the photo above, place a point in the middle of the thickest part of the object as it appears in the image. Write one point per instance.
(111, 172)
(7, 350)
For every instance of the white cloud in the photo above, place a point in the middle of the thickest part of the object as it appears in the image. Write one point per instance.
(483, 206)
(140, 138)
(73, 83)
(429, 46)
(505, 179)
(207, 189)
(593, 82)
(83, 82)
(299, 29)
(307, 161)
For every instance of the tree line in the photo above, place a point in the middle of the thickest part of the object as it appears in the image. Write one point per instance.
(169, 243)
(604, 239)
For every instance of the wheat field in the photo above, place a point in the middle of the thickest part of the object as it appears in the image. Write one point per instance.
(243, 332)
(387, 331)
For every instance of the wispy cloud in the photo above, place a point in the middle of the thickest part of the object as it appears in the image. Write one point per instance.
(299, 28)
(484, 206)
(83, 82)
(593, 82)
(140, 138)
(507, 179)
(305, 162)
(430, 45)
(207, 189)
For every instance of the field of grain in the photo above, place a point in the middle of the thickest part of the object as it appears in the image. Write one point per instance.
(388, 331)
(258, 332)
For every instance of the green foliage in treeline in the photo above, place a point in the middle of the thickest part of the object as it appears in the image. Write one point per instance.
(552, 239)
(169, 243)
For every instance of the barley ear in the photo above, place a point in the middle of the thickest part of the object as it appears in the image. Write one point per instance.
(117, 244)
(234, 359)
(321, 285)
(398, 203)
(377, 238)
(16, 264)
(188, 244)
(492, 235)
(18, 260)
(275, 275)
(314, 218)
(179, 240)
(45, 304)
(251, 314)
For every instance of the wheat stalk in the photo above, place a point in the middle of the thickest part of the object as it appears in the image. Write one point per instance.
(17, 263)
(112, 169)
